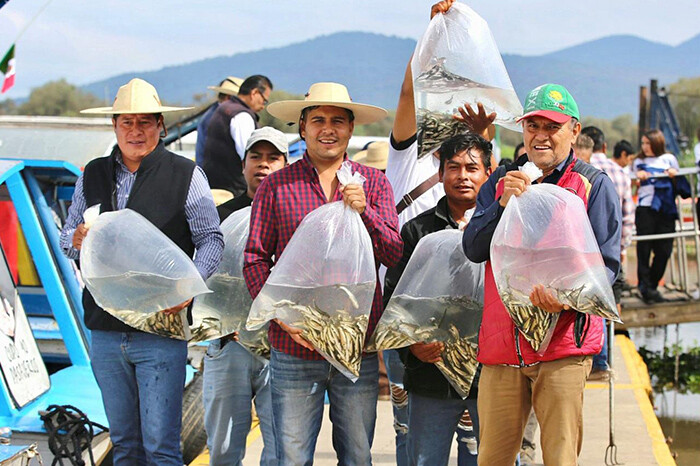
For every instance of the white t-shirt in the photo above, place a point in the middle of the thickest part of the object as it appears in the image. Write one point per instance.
(404, 171)
(653, 165)
(242, 125)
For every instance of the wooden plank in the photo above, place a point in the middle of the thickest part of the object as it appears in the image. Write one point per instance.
(635, 313)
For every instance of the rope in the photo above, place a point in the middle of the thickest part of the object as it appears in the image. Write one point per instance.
(70, 433)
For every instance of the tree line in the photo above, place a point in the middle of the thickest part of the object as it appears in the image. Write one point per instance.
(60, 98)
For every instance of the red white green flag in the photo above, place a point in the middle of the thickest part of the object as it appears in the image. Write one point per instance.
(7, 67)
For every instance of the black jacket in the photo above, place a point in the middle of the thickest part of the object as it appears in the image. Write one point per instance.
(159, 194)
(422, 378)
(221, 162)
(233, 205)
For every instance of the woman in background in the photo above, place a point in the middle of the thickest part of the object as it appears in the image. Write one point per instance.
(656, 211)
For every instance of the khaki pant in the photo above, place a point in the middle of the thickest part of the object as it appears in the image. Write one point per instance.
(554, 389)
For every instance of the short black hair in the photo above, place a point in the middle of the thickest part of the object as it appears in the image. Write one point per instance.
(597, 135)
(517, 149)
(257, 81)
(622, 146)
(505, 161)
(351, 116)
(157, 115)
(465, 141)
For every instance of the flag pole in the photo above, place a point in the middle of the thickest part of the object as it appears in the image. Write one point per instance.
(26, 26)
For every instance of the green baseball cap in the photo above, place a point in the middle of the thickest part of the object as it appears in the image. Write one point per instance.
(550, 101)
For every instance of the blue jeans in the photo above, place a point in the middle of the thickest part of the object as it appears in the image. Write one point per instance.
(600, 360)
(142, 378)
(394, 372)
(232, 378)
(298, 392)
(431, 426)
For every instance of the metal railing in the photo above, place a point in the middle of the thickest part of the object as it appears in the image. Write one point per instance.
(685, 233)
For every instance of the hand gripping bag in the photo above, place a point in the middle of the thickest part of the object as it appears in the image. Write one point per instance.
(226, 309)
(438, 298)
(544, 237)
(457, 62)
(133, 271)
(324, 282)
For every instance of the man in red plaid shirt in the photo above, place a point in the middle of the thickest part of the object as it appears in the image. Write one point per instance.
(300, 377)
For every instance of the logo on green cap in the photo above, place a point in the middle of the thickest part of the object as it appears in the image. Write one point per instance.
(551, 97)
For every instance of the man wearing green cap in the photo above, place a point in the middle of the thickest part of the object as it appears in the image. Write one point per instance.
(515, 377)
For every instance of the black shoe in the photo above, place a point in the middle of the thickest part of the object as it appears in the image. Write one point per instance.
(653, 296)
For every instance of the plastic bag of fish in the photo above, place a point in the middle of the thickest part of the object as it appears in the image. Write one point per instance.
(544, 237)
(439, 297)
(226, 309)
(324, 283)
(133, 271)
(456, 62)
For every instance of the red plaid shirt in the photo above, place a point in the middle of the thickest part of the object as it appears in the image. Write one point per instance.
(283, 200)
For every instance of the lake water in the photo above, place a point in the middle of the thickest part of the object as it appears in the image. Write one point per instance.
(679, 414)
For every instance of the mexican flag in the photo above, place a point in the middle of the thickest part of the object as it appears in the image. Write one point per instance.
(7, 67)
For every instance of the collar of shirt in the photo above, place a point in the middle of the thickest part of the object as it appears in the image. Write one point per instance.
(146, 162)
(309, 166)
(442, 211)
(559, 170)
(598, 158)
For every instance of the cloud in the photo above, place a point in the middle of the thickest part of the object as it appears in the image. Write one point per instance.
(86, 41)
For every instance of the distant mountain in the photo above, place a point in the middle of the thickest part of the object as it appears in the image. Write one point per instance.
(604, 75)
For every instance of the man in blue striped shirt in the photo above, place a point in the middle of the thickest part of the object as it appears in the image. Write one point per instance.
(142, 375)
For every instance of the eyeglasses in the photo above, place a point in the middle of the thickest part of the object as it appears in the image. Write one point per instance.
(262, 94)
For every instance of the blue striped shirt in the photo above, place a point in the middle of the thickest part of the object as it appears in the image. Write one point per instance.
(200, 212)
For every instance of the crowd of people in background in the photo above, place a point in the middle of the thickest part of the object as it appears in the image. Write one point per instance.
(404, 198)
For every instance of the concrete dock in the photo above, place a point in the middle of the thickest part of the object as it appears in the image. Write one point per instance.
(638, 435)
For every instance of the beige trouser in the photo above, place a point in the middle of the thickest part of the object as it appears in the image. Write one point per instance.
(554, 389)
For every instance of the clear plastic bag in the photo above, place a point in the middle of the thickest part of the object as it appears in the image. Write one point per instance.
(438, 298)
(324, 282)
(226, 309)
(544, 237)
(457, 62)
(133, 271)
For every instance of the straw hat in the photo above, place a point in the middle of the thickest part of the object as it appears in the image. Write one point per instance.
(375, 156)
(228, 86)
(332, 94)
(137, 96)
(221, 195)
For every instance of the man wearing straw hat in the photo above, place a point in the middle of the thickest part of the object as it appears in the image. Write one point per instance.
(229, 129)
(375, 155)
(226, 88)
(141, 375)
(300, 377)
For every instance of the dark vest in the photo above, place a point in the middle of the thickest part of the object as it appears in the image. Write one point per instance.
(221, 162)
(159, 193)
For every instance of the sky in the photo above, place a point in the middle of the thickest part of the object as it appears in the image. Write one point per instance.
(84, 41)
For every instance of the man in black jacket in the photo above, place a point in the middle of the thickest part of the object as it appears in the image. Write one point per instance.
(232, 376)
(142, 375)
(434, 406)
(229, 129)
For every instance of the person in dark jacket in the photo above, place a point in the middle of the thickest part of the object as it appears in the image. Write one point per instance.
(142, 375)
(434, 406)
(225, 89)
(229, 130)
(232, 376)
